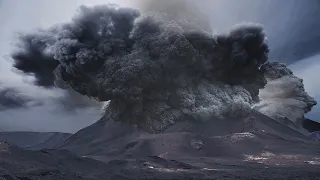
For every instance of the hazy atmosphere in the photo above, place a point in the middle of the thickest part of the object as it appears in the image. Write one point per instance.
(291, 26)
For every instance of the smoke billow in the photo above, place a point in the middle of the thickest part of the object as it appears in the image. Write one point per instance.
(10, 98)
(72, 100)
(33, 59)
(284, 95)
(153, 68)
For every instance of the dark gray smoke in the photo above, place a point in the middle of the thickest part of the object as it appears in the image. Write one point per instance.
(33, 59)
(155, 69)
(12, 99)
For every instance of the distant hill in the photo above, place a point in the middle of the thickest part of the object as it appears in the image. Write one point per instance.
(311, 125)
(34, 140)
(20, 164)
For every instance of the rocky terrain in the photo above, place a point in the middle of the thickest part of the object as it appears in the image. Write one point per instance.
(19, 164)
(254, 148)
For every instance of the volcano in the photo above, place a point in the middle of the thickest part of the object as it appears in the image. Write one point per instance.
(217, 138)
(257, 146)
(183, 102)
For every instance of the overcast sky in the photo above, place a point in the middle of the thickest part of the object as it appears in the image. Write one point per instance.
(287, 22)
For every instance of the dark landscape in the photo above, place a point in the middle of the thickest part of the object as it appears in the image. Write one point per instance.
(231, 149)
(179, 102)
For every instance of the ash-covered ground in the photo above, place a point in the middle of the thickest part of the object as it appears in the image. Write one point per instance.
(183, 102)
(258, 148)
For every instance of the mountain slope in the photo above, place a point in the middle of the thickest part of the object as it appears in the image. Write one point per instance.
(258, 147)
(311, 125)
(107, 140)
(34, 140)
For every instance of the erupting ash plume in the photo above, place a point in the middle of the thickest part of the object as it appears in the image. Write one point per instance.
(32, 59)
(284, 95)
(154, 69)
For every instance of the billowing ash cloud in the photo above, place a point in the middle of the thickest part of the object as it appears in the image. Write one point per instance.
(32, 58)
(155, 69)
(12, 99)
(284, 95)
(178, 9)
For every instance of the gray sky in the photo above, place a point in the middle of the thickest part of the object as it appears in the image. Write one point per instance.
(280, 19)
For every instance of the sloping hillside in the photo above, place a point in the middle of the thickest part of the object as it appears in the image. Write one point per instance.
(257, 147)
(107, 140)
(34, 140)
